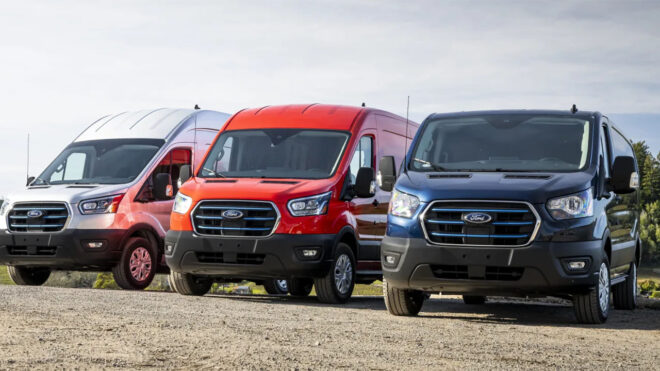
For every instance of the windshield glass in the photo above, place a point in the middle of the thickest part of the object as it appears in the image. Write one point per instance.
(503, 142)
(275, 153)
(109, 161)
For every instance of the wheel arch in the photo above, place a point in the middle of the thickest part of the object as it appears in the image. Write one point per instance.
(347, 235)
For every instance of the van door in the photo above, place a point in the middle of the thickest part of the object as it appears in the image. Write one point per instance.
(367, 211)
(170, 164)
(621, 211)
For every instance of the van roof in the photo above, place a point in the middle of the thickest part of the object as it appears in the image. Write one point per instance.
(144, 124)
(332, 117)
(579, 114)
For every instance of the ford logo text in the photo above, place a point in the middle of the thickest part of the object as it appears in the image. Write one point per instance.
(35, 214)
(477, 218)
(232, 214)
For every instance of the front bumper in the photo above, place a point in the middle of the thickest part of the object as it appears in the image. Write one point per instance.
(538, 269)
(62, 250)
(277, 256)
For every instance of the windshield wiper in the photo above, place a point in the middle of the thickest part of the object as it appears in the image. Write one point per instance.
(214, 173)
(435, 167)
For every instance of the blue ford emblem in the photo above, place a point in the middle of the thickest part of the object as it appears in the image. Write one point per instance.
(35, 213)
(477, 218)
(232, 214)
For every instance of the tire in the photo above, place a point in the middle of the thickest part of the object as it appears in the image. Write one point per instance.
(300, 287)
(337, 286)
(137, 267)
(25, 276)
(276, 287)
(625, 293)
(594, 306)
(402, 302)
(474, 299)
(188, 284)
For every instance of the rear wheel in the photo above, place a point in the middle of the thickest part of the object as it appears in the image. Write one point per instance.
(276, 287)
(402, 302)
(625, 293)
(25, 276)
(594, 306)
(300, 287)
(474, 299)
(137, 267)
(337, 286)
(188, 284)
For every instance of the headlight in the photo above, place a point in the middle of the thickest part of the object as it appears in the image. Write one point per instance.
(403, 204)
(103, 205)
(182, 203)
(312, 205)
(578, 205)
(4, 205)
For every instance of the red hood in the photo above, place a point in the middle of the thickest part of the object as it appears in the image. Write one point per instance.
(276, 190)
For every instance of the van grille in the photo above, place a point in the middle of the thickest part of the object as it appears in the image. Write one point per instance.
(249, 219)
(27, 250)
(491, 273)
(221, 258)
(37, 217)
(511, 224)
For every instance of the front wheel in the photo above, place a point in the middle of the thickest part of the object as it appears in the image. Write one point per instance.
(625, 293)
(188, 284)
(594, 306)
(137, 267)
(402, 302)
(337, 286)
(25, 276)
(276, 287)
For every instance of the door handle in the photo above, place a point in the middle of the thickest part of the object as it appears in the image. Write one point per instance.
(375, 203)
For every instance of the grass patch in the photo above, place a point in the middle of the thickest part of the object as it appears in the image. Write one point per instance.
(4, 276)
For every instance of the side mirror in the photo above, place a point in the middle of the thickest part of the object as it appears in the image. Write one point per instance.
(161, 182)
(365, 183)
(30, 179)
(624, 175)
(386, 173)
(184, 173)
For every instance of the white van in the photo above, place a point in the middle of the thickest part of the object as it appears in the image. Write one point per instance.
(104, 203)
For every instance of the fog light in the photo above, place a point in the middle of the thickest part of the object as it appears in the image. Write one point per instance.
(309, 253)
(95, 244)
(169, 249)
(390, 259)
(577, 265)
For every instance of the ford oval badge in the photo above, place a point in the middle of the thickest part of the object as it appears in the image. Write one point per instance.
(35, 213)
(477, 218)
(232, 214)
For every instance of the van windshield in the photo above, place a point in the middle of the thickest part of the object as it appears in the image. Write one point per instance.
(503, 142)
(108, 161)
(275, 153)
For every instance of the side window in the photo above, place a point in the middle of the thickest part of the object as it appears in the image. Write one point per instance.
(170, 164)
(362, 157)
(620, 145)
(71, 169)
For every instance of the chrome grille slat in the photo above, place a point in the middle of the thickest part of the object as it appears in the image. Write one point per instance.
(513, 223)
(53, 219)
(259, 219)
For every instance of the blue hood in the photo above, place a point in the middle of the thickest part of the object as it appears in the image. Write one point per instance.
(493, 186)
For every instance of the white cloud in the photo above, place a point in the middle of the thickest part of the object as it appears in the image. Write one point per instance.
(64, 64)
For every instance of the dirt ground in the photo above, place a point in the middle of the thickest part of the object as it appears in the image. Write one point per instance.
(47, 327)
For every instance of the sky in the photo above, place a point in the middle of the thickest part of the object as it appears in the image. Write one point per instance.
(64, 64)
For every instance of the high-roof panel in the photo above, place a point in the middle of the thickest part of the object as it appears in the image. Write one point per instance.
(147, 124)
(332, 117)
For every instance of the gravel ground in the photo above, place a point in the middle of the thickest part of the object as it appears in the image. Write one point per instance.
(46, 327)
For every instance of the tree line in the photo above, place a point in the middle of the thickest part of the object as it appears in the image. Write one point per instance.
(649, 175)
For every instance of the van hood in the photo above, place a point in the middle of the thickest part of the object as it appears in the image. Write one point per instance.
(536, 188)
(275, 190)
(69, 193)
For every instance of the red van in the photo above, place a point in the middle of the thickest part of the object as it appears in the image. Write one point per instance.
(288, 193)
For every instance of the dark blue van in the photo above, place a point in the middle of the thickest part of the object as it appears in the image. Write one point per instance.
(514, 203)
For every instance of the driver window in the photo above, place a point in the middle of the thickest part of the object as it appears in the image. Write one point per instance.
(170, 164)
(362, 157)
